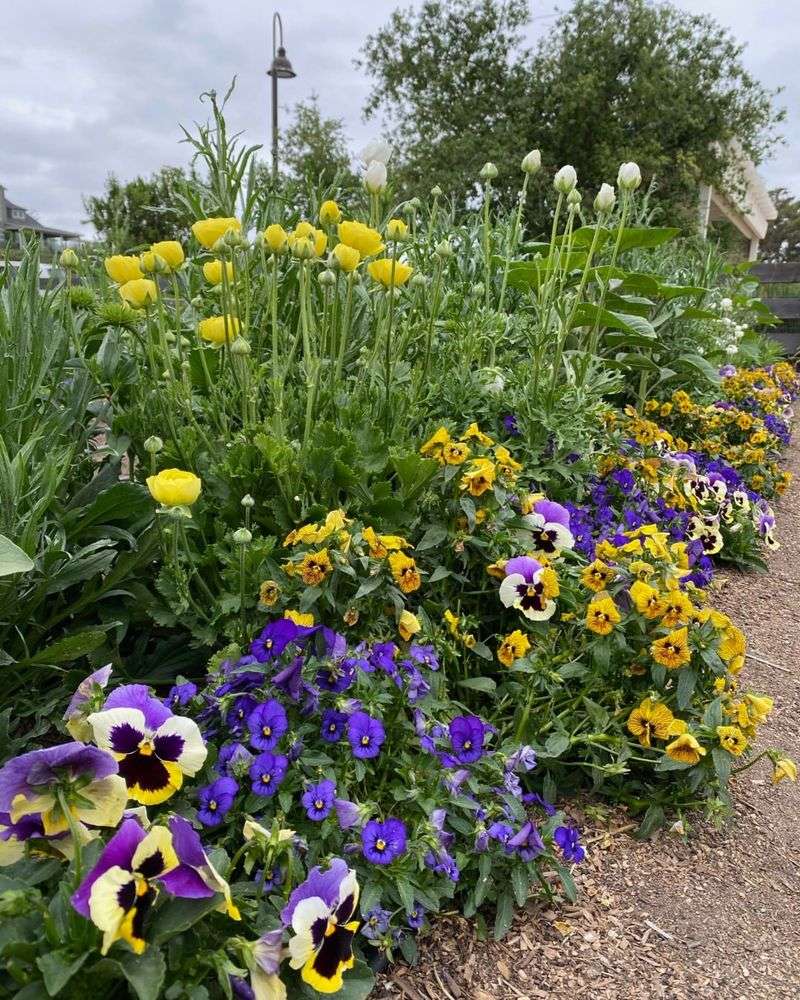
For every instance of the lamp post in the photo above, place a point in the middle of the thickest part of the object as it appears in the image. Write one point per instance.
(281, 69)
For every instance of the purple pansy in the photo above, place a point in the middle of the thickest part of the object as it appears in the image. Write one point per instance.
(383, 842)
(267, 772)
(568, 839)
(318, 800)
(333, 725)
(365, 734)
(467, 734)
(215, 801)
(267, 723)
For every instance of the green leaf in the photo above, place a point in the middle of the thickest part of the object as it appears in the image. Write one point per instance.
(432, 537)
(653, 820)
(178, 915)
(697, 364)
(713, 714)
(71, 647)
(485, 684)
(556, 744)
(406, 893)
(653, 236)
(686, 681)
(57, 968)
(668, 764)
(370, 897)
(520, 883)
(504, 916)
(722, 764)
(12, 558)
(570, 889)
(144, 972)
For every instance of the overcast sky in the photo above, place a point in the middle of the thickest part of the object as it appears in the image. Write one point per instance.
(91, 87)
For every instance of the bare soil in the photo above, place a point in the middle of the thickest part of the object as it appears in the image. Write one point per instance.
(712, 915)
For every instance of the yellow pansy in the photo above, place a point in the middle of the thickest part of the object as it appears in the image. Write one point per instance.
(597, 575)
(315, 567)
(732, 739)
(435, 443)
(650, 720)
(405, 572)
(299, 618)
(685, 749)
(479, 477)
(408, 625)
(602, 615)
(646, 599)
(673, 650)
(784, 767)
(513, 647)
(268, 593)
(454, 453)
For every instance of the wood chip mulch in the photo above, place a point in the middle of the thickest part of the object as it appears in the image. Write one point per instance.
(715, 915)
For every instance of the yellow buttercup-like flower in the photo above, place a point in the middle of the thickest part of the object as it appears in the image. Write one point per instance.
(396, 229)
(408, 625)
(219, 329)
(435, 444)
(121, 268)
(673, 650)
(479, 477)
(276, 238)
(685, 749)
(171, 251)
(513, 647)
(139, 293)
(367, 241)
(651, 720)
(329, 213)
(208, 231)
(347, 257)
(315, 567)
(602, 615)
(389, 271)
(304, 230)
(676, 610)
(212, 271)
(455, 453)
(299, 618)
(174, 487)
(268, 593)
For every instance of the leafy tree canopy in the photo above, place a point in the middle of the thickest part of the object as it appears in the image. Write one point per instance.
(613, 80)
(315, 147)
(782, 242)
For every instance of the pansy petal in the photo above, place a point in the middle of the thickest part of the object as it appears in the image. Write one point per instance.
(118, 853)
(113, 895)
(155, 855)
(150, 780)
(182, 737)
(138, 696)
(267, 985)
(107, 797)
(119, 730)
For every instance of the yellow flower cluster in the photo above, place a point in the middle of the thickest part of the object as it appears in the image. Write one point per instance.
(484, 461)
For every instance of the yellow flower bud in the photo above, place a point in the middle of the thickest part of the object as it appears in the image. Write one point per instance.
(396, 229)
(275, 238)
(174, 488)
(208, 231)
(68, 259)
(171, 251)
(121, 269)
(153, 263)
(139, 292)
(219, 329)
(346, 257)
(329, 213)
(212, 271)
(389, 272)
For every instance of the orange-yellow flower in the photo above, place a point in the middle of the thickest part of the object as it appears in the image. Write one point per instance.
(673, 650)
(513, 647)
(651, 720)
(597, 575)
(405, 572)
(602, 615)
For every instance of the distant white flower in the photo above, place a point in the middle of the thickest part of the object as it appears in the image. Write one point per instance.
(565, 180)
(605, 199)
(375, 177)
(726, 305)
(376, 150)
(532, 162)
(629, 177)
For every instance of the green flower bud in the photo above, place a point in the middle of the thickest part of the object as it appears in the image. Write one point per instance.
(242, 536)
(68, 259)
(153, 445)
(488, 172)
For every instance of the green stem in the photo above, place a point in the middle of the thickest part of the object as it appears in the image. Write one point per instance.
(512, 243)
(74, 830)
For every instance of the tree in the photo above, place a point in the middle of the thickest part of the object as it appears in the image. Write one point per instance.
(450, 83)
(782, 242)
(315, 148)
(140, 211)
(614, 80)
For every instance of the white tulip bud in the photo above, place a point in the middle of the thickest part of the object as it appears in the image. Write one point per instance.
(247, 501)
(629, 177)
(377, 150)
(605, 199)
(574, 199)
(488, 172)
(565, 180)
(532, 162)
(375, 177)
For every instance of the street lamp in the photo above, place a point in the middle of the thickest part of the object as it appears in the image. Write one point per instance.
(281, 69)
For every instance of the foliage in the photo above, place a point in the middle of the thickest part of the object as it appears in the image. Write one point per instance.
(782, 242)
(315, 148)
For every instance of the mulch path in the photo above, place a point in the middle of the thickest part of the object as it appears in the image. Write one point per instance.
(714, 915)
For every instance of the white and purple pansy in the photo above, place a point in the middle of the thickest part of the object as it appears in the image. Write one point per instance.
(87, 696)
(154, 748)
(549, 525)
(524, 589)
(195, 877)
(321, 913)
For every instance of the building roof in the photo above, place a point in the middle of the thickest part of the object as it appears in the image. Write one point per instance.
(28, 222)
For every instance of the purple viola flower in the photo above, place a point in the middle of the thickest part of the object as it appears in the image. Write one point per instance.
(501, 832)
(195, 877)
(267, 724)
(88, 687)
(467, 733)
(624, 479)
(318, 800)
(14, 834)
(347, 813)
(525, 566)
(522, 760)
(510, 425)
(268, 951)
(233, 760)
(426, 655)
(417, 687)
(276, 637)
(383, 842)
(553, 513)
(441, 863)
(365, 735)
(216, 800)
(267, 772)
(290, 679)
(416, 918)
(512, 785)
(533, 798)
(333, 725)
(481, 839)
(568, 839)
(336, 676)
(180, 695)
(240, 988)
(527, 843)
(382, 657)
(453, 782)
(376, 923)
(139, 696)
(267, 880)
(239, 712)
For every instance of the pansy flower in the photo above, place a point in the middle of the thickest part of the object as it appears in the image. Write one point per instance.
(365, 735)
(267, 772)
(376, 923)
(195, 877)
(549, 524)
(526, 588)
(267, 724)
(333, 725)
(215, 801)
(14, 835)
(85, 777)
(467, 733)
(154, 752)
(80, 703)
(383, 842)
(568, 839)
(239, 712)
(320, 911)
(318, 800)
(276, 637)
(527, 843)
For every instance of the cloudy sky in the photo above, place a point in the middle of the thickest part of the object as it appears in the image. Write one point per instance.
(89, 88)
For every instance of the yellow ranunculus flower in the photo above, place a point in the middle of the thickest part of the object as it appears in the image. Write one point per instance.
(347, 257)
(329, 213)
(367, 241)
(275, 238)
(304, 230)
(389, 272)
(122, 269)
(171, 251)
(151, 261)
(212, 271)
(174, 487)
(208, 231)
(219, 329)
(408, 625)
(396, 229)
(139, 292)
